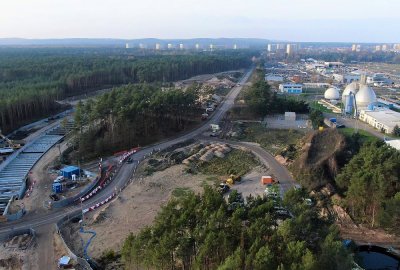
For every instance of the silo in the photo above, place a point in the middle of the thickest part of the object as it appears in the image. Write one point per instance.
(349, 101)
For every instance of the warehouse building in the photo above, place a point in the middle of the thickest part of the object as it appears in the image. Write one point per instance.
(382, 119)
(291, 88)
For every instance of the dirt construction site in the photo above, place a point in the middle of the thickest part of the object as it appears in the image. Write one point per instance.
(138, 205)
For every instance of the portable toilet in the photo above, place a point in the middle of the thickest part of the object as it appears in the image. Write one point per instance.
(265, 180)
(57, 188)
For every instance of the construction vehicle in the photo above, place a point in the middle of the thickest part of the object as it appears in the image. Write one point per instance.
(223, 188)
(10, 143)
(232, 179)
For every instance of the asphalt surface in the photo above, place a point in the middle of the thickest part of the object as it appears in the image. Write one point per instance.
(31, 220)
(356, 124)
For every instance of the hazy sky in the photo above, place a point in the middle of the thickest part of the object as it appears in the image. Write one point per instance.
(297, 20)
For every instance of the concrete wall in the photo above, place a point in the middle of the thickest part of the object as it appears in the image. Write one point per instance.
(82, 262)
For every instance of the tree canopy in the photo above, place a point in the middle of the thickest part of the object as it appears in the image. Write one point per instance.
(371, 181)
(32, 79)
(205, 232)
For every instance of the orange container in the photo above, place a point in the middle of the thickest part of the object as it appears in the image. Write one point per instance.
(265, 180)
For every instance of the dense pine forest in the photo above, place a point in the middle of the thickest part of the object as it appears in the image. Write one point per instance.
(371, 185)
(132, 115)
(206, 232)
(32, 79)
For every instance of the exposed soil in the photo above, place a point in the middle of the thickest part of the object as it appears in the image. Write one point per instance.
(318, 162)
(140, 202)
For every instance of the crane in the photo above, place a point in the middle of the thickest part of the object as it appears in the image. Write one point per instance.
(9, 142)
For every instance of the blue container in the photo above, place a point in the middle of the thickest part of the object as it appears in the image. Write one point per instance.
(67, 172)
(333, 120)
(57, 188)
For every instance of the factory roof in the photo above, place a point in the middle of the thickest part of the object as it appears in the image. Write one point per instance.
(387, 117)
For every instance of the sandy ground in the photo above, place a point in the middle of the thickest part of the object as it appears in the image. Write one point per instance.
(361, 234)
(43, 255)
(134, 209)
(34, 201)
(138, 205)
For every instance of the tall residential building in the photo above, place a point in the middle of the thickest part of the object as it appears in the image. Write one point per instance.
(158, 46)
(127, 46)
(291, 48)
(356, 48)
(235, 46)
(378, 48)
(170, 46)
(269, 47)
(385, 47)
(181, 46)
(197, 46)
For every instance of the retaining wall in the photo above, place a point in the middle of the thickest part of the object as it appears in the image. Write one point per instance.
(82, 262)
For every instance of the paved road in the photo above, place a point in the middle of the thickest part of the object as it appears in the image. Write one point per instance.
(356, 124)
(31, 220)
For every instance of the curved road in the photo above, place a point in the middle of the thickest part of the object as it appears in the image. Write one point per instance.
(31, 220)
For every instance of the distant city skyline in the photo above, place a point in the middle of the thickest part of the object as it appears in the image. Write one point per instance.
(301, 20)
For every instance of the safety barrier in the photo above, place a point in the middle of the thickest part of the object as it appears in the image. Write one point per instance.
(15, 216)
(83, 192)
(6, 237)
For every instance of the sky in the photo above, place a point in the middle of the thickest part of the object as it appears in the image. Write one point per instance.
(294, 20)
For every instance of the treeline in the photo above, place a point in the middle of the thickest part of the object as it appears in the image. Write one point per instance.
(371, 185)
(262, 101)
(206, 232)
(133, 115)
(30, 80)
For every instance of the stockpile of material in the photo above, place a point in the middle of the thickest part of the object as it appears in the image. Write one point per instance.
(207, 153)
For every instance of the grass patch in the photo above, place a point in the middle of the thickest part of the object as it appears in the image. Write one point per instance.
(272, 140)
(236, 162)
(365, 136)
(222, 91)
(180, 192)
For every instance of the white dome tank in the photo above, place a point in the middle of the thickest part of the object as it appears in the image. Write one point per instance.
(332, 94)
(349, 88)
(365, 96)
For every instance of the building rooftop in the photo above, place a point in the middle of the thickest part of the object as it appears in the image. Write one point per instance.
(70, 169)
(387, 117)
(394, 143)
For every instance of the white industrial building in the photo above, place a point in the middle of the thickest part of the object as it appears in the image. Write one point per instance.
(394, 143)
(347, 78)
(290, 88)
(382, 119)
(290, 116)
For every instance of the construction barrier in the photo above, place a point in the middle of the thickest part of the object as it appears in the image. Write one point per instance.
(15, 216)
(77, 197)
(12, 233)
(109, 198)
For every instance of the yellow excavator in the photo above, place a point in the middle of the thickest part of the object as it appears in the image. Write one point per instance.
(232, 179)
(10, 143)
